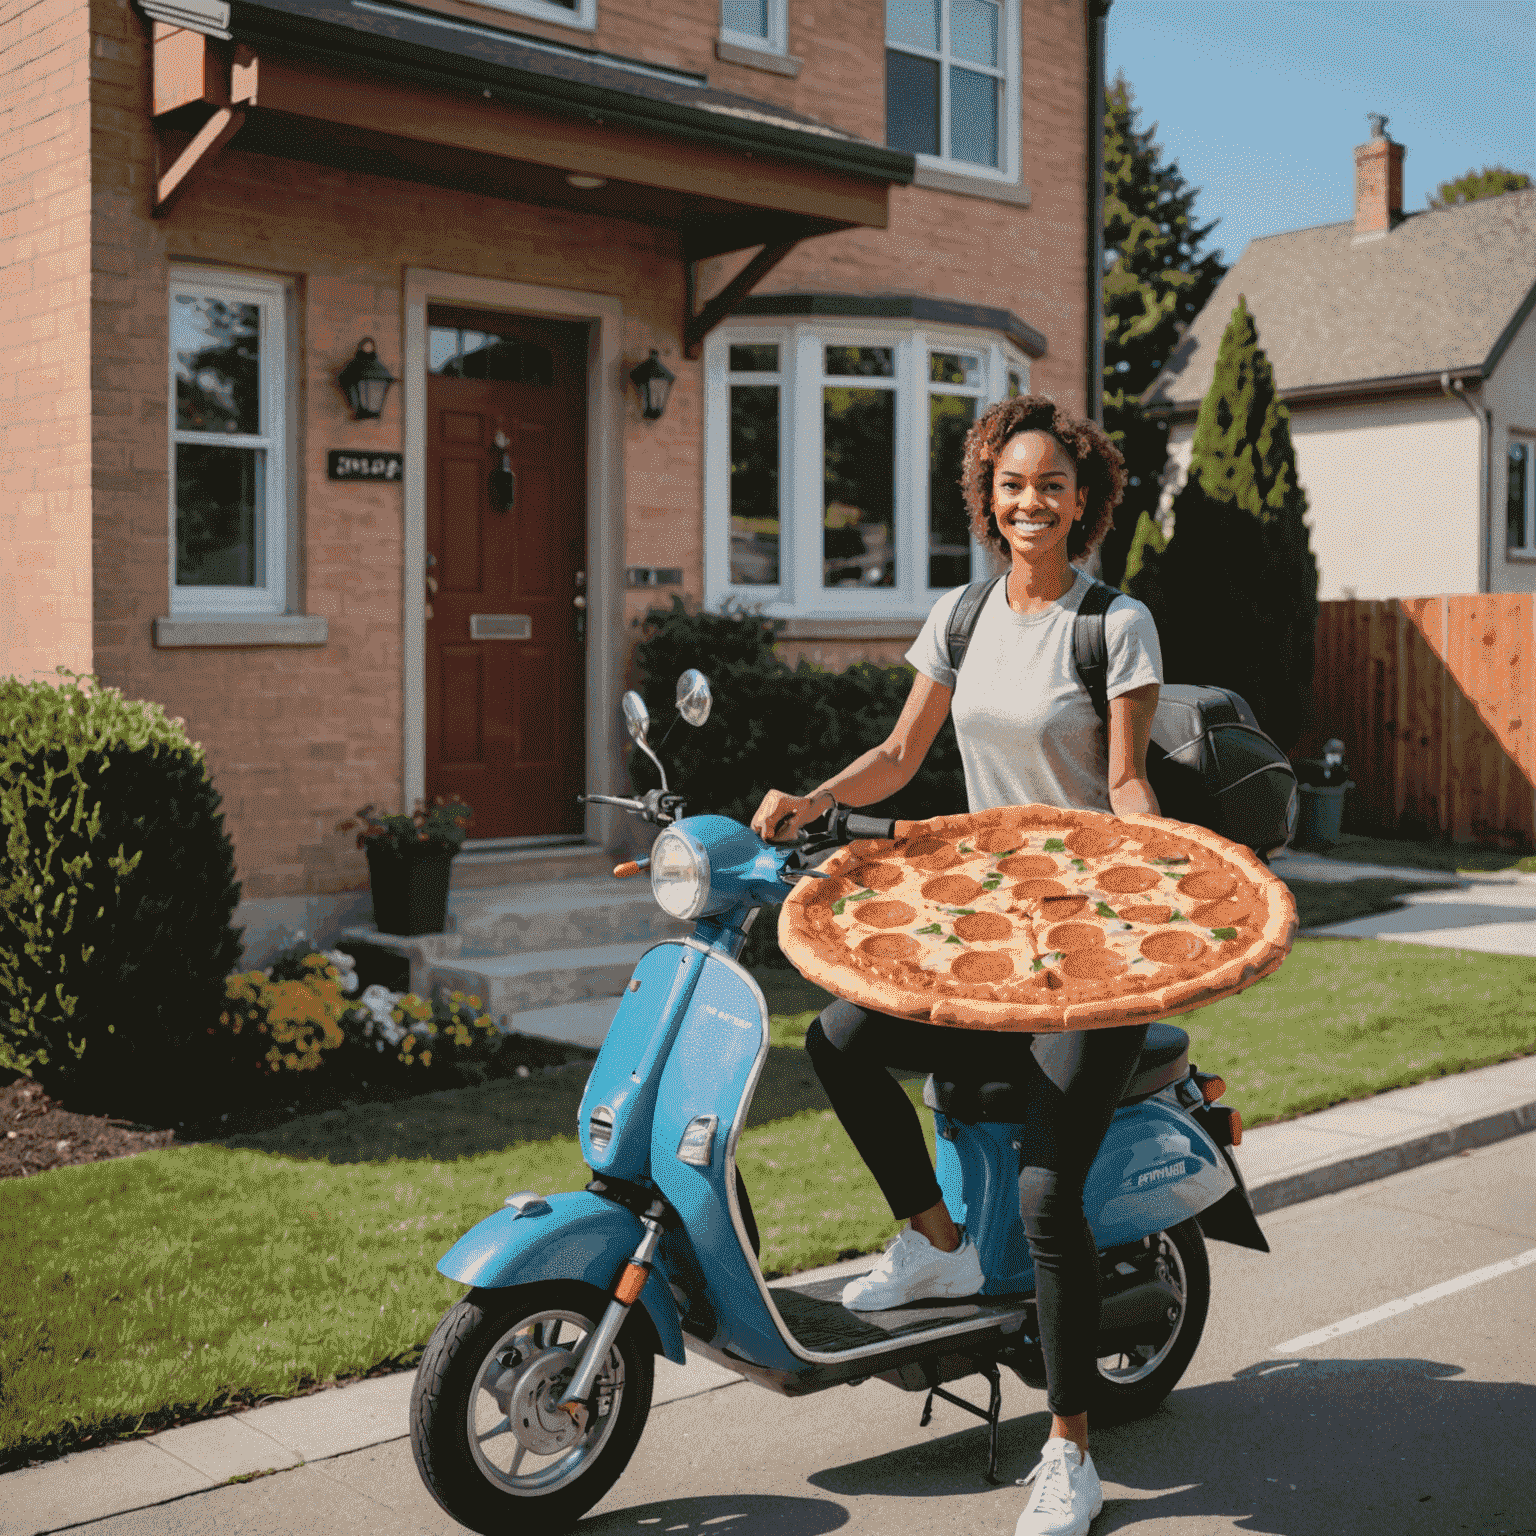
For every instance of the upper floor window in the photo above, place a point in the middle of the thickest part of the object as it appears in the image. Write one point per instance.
(833, 465)
(1520, 497)
(570, 13)
(951, 82)
(754, 24)
(229, 430)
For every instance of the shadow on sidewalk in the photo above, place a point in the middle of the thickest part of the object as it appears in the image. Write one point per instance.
(1300, 1448)
(750, 1514)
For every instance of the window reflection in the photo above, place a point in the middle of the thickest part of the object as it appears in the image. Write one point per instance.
(949, 534)
(217, 347)
(859, 483)
(862, 362)
(219, 516)
(754, 483)
(459, 353)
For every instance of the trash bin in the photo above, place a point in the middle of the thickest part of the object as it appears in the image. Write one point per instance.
(1320, 816)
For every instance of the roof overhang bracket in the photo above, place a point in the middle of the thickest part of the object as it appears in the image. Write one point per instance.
(698, 323)
(194, 70)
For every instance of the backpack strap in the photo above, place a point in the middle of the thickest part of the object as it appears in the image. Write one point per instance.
(1090, 647)
(962, 621)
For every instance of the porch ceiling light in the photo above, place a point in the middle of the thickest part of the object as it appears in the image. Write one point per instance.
(586, 183)
(653, 380)
(365, 381)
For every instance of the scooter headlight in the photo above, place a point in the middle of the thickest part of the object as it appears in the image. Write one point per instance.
(679, 874)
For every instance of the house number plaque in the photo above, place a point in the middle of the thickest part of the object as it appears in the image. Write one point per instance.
(353, 464)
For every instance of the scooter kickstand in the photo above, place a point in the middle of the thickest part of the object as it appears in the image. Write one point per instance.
(992, 1414)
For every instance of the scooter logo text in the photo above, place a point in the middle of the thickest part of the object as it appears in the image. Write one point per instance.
(1156, 1175)
(728, 1018)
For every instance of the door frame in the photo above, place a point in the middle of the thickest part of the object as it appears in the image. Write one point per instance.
(604, 315)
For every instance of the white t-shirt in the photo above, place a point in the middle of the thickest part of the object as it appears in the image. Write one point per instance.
(1027, 729)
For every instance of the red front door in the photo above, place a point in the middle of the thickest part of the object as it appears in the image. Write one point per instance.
(505, 727)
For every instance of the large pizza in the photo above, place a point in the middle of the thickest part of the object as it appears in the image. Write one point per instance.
(1034, 918)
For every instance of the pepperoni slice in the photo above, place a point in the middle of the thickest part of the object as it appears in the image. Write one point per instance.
(1055, 908)
(1220, 914)
(945, 858)
(1028, 864)
(983, 927)
(1208, 885)
(1173, 948)
(1072, 936)
(1126, 879)
(890, 946)
(870, 848)
(921, 847)
(1033, 890)
(1091, 964)
(952, 890)
(876, 877)
(983, 965)
(1147, 914)
(1090, 842)
(885, 914)
(999, 839)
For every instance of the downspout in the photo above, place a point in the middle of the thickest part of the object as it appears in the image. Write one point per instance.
(1098, 13)
(1457, 390)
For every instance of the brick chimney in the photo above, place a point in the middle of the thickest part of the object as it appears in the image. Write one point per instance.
(1378, 181)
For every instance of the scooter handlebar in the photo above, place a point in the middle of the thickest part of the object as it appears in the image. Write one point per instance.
(868, 826)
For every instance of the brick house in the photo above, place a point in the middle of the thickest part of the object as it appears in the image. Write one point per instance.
(843, 228)
(1405, 348)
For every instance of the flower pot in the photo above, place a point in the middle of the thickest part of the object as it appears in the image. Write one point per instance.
(410, 890)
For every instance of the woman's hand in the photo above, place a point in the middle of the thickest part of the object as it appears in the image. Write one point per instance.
(781, 816)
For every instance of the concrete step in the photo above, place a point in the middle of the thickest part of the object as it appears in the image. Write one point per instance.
(583, 1023)
(558, 914)
(478, 869)
(510, 985)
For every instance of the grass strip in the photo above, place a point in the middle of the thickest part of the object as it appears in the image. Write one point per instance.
(1450, 858)
(171, 1285)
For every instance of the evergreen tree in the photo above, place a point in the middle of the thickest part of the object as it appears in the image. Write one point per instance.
(1156, 281)
(1234, 592)
(1491, 181)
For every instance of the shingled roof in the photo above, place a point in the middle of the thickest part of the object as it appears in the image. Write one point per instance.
(1445, 291)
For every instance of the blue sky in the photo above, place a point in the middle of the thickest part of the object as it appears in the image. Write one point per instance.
(1262, 101)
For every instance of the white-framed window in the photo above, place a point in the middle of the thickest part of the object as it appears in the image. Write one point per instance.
(228, 444)
(759, 24)
(1520, 493)
(952, 83)
(565, 13)
(832, 462)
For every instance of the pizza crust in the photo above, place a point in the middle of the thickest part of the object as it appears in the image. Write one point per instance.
(822, 939)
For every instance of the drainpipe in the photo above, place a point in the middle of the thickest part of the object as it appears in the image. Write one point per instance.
(1457, 390)
(1098, 12)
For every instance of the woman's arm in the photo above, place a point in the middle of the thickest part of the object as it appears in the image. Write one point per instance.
(1130, 729)
(880, 772)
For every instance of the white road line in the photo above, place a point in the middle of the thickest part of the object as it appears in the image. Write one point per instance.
(1408, 1303)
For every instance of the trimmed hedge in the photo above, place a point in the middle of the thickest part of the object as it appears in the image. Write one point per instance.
(773, 726)
(115, 899)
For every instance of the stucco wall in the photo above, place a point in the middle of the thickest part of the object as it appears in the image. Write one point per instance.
(1511, 396)
(1392, 494)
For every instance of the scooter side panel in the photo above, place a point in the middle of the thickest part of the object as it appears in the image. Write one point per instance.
(582, 1237)
(714, 1064)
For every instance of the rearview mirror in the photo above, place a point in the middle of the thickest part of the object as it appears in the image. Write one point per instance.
(693, 697)
(637, 718)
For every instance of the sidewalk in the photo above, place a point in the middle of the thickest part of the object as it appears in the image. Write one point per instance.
(1283, 1164)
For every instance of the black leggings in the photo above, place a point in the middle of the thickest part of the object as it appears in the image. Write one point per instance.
(1074, 1081)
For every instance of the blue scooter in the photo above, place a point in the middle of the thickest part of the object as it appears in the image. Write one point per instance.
(534, 1389)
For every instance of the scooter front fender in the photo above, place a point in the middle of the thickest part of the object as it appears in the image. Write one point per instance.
(581, 1237)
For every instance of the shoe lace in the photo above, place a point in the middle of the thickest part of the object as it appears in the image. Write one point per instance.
(1053, 1487)
(897, 1257)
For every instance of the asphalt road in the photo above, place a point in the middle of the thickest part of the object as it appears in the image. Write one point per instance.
(1421, 1421)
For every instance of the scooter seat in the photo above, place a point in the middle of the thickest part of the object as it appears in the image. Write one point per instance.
(1164, 1060)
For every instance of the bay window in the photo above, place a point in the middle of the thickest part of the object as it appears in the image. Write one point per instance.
(833, 459)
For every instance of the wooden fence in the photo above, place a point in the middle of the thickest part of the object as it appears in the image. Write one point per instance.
(1435, 700)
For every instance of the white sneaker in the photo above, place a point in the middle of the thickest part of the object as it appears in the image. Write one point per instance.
(912, 1268)
(1067, 1495)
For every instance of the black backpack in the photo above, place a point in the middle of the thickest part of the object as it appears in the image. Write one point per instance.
(1208, 762)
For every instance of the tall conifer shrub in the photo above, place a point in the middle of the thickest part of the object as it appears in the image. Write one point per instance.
(1234, 592)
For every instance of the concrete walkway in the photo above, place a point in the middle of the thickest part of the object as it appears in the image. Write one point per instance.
(1283, 1164)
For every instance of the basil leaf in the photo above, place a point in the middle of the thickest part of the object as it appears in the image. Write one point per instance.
(964, 849)
(961, 911)
(1078, 864)
(1223, 933)
(951, 940)
(1104, 909)
(932, 928)
(1036, 964)
(990, 885)
(858, 896)
(1055, 845)
(1178, 917)
(1004, 854)
(837, 907)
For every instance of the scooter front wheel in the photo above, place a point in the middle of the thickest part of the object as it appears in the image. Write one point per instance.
(489, 1440)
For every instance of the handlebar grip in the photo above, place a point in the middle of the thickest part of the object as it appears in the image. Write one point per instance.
(870, 826)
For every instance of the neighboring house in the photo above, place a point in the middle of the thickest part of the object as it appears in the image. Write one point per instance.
(1405, 347)
(845, 226)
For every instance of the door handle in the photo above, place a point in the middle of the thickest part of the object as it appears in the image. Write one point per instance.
(431, 584)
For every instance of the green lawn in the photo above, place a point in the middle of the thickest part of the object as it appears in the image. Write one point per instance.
(169, 1285)
(1450, 858)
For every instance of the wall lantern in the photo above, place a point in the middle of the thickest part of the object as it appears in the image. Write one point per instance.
(654, 381)
(365, 381)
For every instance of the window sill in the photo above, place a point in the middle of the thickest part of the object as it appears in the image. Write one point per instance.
(850, 629)
(1524, 556)
(245, 630)
(931, 177)
(757, 58)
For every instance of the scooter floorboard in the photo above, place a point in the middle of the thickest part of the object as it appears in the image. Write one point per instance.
(816, 1317)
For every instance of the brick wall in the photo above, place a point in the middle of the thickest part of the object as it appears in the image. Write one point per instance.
(45, 493)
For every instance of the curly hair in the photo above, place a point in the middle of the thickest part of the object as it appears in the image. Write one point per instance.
(1100, 469)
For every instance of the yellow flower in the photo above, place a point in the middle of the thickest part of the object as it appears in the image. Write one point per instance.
(426, 1058)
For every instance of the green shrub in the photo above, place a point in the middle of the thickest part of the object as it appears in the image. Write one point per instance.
(773, 726)
(115, 898)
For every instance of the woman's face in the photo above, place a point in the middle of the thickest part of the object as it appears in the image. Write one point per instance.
(1035, 499)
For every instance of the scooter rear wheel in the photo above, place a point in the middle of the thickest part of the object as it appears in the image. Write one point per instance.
(488, 1439)
(1133, 1383)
